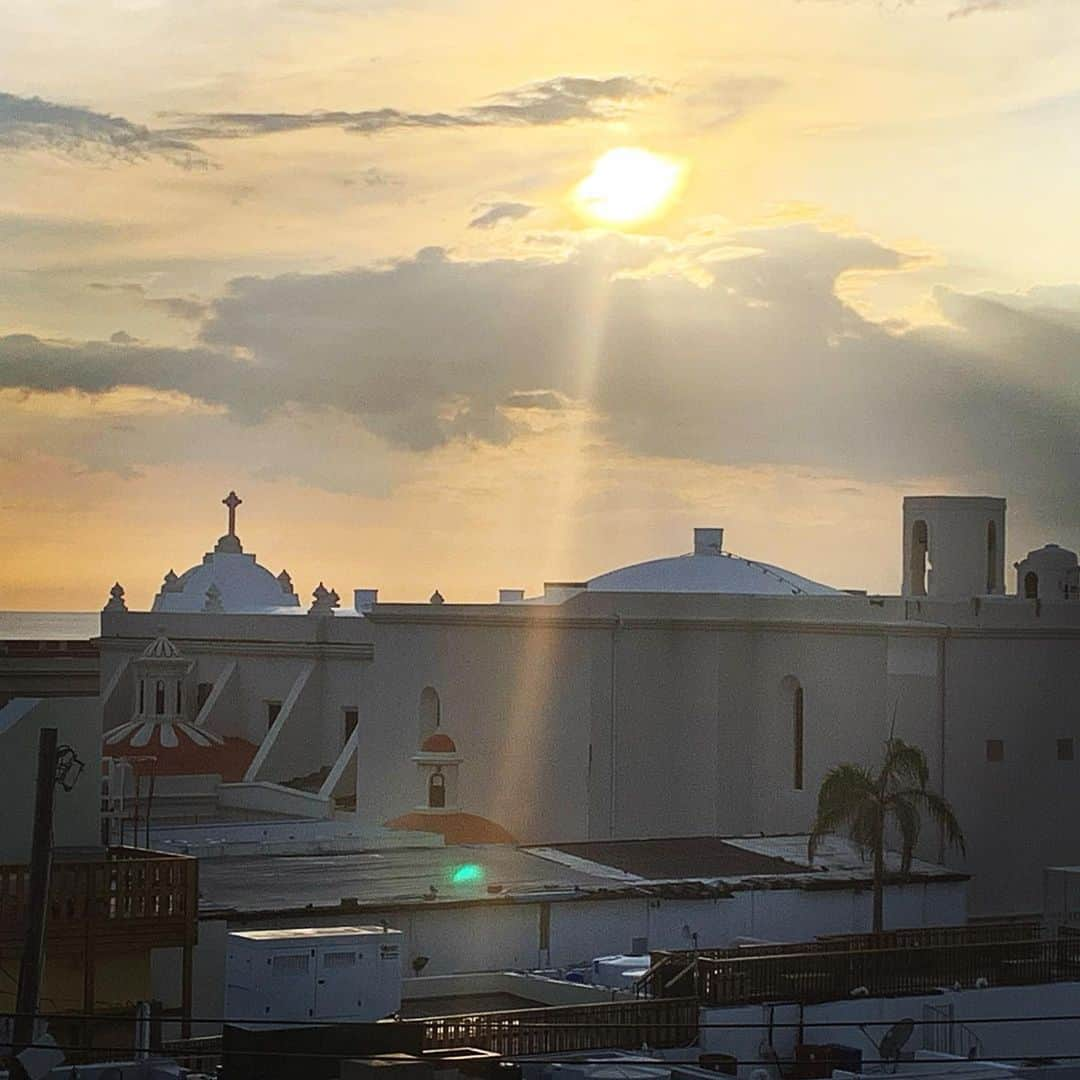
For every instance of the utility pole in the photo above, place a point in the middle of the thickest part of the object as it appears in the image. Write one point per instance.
(37, 902)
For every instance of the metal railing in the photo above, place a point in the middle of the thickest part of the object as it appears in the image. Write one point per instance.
(119, 892)
(568, 1028)
(819, 975)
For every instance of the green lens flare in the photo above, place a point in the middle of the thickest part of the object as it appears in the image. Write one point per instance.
(467, 874)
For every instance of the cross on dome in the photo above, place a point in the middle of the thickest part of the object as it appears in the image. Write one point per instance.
(232, 501)
(230, 544)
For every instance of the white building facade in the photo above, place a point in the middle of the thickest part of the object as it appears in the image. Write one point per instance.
(702, 694)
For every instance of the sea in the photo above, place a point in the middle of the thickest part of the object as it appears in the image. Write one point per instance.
(49, 625)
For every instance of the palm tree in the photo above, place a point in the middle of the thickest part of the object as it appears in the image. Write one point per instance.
(862, 803)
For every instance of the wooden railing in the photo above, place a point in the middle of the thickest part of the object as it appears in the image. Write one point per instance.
(567, 1028)
(819, 975)
(123, 894)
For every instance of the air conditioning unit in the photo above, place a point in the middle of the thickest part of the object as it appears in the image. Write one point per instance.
(321, 973)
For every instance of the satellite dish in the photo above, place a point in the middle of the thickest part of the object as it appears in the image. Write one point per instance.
(895, 1039)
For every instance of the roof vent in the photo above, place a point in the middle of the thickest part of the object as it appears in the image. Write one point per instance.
(511, 596)
(708, 541)
(365, 599)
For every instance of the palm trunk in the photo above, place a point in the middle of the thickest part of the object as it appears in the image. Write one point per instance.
(879, 883)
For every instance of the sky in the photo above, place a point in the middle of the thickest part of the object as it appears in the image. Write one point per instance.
(329, 254)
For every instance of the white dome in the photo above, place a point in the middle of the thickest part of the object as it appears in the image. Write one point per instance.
(707, 569)
(240, 584)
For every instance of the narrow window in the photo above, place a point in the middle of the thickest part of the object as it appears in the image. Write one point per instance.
(159, 698)
(1031, 585)
(920, 546)
(430, 711)
(142, 697)
(352, 717)
(545, 925)
(179, 699)
(437, 791)
(991, 557)
(797, 733)
(272, 710)
(1065, 749)
(202, 692)
(995, 750)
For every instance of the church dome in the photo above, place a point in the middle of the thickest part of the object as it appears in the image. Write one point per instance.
(438, 742)
(227, 580)
(181, 749)
(708, 569)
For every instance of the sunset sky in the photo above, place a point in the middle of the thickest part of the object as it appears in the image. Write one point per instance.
(333, 254)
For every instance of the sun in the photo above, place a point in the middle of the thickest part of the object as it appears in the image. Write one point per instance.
(628, 185)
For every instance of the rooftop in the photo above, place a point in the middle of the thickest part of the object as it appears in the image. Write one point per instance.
(696, 867)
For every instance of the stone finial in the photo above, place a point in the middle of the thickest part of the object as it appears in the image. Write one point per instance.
(325, 600)
(285, 581)
(213, 602)
(436, 598)
(171, 583)
(116, 599)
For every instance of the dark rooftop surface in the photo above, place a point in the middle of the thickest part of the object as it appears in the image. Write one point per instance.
(686, 857)
(460, 1004)
(282, 883)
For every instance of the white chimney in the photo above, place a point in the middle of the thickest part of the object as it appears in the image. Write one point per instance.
(365, 599)
(511, 596)
(708, 541)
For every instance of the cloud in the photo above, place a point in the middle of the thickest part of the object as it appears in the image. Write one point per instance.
(755, 361)
(728, 99)
(31, 123)
(560, 100)
(977, 7)
(177, 307)
(498, 212)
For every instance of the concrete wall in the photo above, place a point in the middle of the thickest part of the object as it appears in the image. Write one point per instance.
(76, 821)
(507, 935)
(747, 1031)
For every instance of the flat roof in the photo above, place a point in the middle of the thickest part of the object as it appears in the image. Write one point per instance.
(681, 857)
(375, 882)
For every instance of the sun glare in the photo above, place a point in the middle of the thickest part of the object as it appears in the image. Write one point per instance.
(628, 185)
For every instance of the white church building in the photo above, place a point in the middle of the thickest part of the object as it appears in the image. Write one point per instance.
(702, 694)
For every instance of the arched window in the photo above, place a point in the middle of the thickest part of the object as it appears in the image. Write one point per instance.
(920, 545)
(1031, 585)
(436, 792)
(797, 738)
(159, 698)
(791, 692)
(430, 711)
(991, 557)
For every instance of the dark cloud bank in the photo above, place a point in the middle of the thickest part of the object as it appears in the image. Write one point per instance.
(31, 123)
(765, 365)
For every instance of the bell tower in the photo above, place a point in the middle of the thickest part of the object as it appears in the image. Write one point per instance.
(954, 546)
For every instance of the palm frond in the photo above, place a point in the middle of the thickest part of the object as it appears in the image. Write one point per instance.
(905, 764)
(842, 800)
(944, 817)
(909, 823)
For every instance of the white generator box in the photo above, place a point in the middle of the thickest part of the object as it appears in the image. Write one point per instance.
(322, 973)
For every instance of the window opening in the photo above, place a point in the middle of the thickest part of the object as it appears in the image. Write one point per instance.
(995, 750)
(797, 721)
(920, 558)
(1065, 750)
(159, 698)
(991, 557)
(1031, 585)
(437, 791)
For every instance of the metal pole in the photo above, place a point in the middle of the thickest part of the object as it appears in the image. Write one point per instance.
(37, 902)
